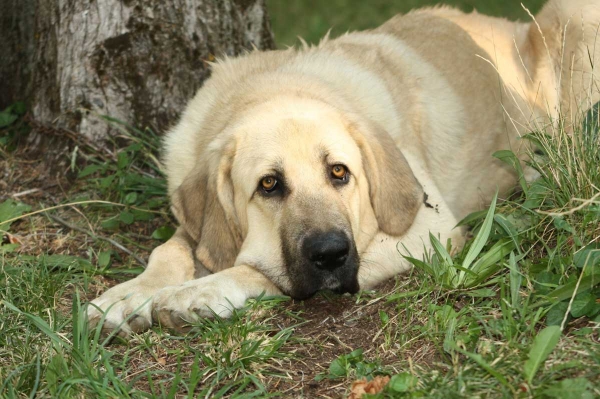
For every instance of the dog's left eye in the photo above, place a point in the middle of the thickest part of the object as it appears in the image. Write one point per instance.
(339, 172)
(269, 184)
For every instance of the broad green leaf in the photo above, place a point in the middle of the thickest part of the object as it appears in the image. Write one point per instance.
(582, 304)
(8, 248)
(7, 119)
(142, 215)
(107, 181)
(588, 256)
(18, 108)
(562, 224)
(104, 259)
(402, 382)
(110, 224)
(10, 209)
(568, 290)
(542, 346)
(339, 367)
(135, 147)
(126, 217)
(130, 198)
(384, 317)
(520, 221)
(163, 233)
(556, 314)
(535, 196)
(123, 160)
(90, 170)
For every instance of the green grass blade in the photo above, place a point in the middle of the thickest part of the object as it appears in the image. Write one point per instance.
(515, 281)
(542, 346)
(511, 159)
(443, 264)
(509, 229)
(472, 217)
(38, 373)
(40, 324)
(480, 240)
(422, 265)
(462, 269)
(440, 250)
(489, 264)
(477, 358)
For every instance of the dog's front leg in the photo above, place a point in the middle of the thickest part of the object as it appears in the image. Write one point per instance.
(220, 293)
(128, 306)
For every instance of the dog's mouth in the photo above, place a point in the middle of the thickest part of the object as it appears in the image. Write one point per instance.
(337, 287)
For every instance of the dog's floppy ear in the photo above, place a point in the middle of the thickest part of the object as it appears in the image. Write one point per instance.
(203, 205)
(396, 195)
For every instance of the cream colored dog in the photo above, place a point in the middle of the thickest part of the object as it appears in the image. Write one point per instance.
(307, 169)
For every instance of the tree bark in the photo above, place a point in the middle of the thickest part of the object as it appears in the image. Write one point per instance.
(138, 61)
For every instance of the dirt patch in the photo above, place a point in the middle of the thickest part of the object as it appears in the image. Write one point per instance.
(336, 325)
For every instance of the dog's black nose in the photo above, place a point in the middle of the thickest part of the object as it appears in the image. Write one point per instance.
(327, 251)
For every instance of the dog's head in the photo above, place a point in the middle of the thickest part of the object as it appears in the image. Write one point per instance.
(297, 189)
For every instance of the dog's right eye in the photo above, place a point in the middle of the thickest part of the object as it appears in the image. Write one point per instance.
(269, 184)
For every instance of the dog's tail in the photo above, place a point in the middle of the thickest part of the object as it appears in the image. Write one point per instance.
(565, 47)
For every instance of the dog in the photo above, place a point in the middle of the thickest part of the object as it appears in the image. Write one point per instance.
(316, 168)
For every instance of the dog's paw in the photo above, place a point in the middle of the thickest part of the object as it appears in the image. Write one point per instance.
(179, 306)
(126, 308)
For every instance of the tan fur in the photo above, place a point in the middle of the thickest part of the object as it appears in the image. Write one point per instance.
(395, 194)
(414, 109)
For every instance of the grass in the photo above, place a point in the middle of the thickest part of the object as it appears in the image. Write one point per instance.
(515, 314)
(311, 19)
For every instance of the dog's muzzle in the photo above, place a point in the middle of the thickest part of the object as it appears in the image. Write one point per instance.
(326, 251)
(330, 262)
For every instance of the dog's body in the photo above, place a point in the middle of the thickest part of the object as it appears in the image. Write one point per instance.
(299, 170)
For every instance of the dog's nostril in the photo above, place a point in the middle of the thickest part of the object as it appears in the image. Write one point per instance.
(327, 250)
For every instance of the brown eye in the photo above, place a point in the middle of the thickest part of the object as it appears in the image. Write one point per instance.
(339, 172)
(268, 184)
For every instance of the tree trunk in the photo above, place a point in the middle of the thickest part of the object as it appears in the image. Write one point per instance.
(139, 61)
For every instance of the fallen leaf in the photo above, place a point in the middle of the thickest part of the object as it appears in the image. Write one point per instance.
(362, 387)
(13, 240)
